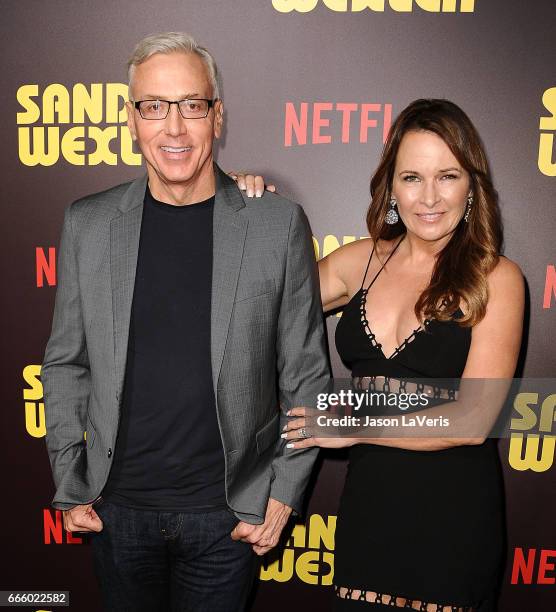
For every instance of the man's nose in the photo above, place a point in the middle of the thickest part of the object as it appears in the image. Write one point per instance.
(174, 124)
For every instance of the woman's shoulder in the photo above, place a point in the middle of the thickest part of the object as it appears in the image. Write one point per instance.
(362, 249)
(351, 252)
(348, 262)
(506, 290)
(505, 274)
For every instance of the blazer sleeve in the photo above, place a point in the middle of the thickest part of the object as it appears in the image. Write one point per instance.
(303, 367)
(65, 373)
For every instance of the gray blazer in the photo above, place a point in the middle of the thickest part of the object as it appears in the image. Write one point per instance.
(267, 341)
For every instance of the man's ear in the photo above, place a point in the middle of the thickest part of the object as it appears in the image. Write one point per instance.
(218, 118)
(131, 119)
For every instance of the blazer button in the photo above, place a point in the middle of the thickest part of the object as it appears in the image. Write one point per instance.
(110, 452)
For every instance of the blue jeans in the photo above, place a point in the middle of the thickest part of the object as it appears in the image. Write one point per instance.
(151, 561)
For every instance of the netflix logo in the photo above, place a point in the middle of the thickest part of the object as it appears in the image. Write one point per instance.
(534, 566)
(53, 527)
(333, 122)
(549, 287)
(45, 266)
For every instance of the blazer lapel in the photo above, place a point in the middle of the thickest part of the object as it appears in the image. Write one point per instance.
(229, 231)
(124, 248)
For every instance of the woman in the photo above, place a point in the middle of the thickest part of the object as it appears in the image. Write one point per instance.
(420, 523)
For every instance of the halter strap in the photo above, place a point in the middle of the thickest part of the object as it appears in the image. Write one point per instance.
(367, 268)
(383, 265)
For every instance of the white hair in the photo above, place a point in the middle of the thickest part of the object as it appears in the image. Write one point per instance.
(170, 42)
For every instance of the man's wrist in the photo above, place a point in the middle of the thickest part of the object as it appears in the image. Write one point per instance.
(281, 506)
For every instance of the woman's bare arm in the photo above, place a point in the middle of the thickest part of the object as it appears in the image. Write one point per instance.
(493, 354)
(486, 379)
(341, 273)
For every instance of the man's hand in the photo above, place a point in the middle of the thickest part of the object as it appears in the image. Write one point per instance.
(82, 518)
(264, 537)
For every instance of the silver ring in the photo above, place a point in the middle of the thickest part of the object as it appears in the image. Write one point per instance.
(303, 433)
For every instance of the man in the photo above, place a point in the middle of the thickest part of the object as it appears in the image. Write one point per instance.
(207, 307)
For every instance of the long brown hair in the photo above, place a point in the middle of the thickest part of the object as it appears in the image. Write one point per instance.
(462, 266)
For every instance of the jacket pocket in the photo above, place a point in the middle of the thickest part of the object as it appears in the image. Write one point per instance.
(255, 289)
(91, 433)
(268, 434)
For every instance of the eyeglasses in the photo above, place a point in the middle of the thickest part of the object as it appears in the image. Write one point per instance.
(196, 108)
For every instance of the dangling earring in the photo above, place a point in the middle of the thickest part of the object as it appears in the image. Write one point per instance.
(468, 210)
(392, 215)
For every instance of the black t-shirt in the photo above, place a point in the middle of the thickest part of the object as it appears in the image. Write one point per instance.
(169, 451)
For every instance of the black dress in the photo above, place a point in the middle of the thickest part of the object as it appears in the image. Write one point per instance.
(423, 525)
